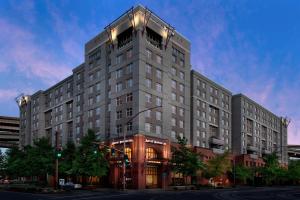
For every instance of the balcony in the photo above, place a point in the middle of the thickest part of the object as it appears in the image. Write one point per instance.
(252, 148)
(253, 156)
(216, 141)
(265, 151)
(218, 151)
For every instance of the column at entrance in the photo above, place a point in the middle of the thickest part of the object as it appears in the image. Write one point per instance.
(138, 162)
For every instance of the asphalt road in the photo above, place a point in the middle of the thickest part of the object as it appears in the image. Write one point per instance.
(216, 194)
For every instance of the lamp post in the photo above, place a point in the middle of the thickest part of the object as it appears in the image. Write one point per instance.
(56, 161)
(124, 144)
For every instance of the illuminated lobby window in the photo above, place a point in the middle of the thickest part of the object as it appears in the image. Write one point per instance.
(128, 152)
(150, 153)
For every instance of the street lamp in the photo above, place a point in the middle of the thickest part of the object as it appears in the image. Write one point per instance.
(124, 144)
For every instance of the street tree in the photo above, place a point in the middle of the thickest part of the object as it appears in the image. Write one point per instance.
(243, 173)
(15, 163)
(294, 171)
(2, 164)
(184, 160)
(66, 161)
(90, 161)
(39, 159)
(218, 166)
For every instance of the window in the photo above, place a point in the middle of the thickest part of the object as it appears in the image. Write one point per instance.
(158, 74)
(181, 112)
(158, 59)
(148, 69)
(129, 126)
(181, 75)
(91, 77)
(91, 101)
(119, 73)
(173, 134)
(118, 101)
(158, 101)
(180, 124)
(78, 108)
(119, 59)
(173, 108)
(158, 87)
(203, 125)
(90, 113)
(91, 89)
(129, 97)
(148, 53)
(129, 68)
(173, 96)
(98, 98)
(147, 127)
(158, 129)
(148, 113)
(78, 76)
(97, 111)
(119, 129)
(129, 112)
(119, 87)
(173, 122)
(148, 83)
(129, 53)
(98, 86)
(173, 84)
(119, 114)
(158, 115)
(173, 71)
(181, 99)
(150, 153)
(148, 98)
(129, 83)
(181, 87)
(98, 123)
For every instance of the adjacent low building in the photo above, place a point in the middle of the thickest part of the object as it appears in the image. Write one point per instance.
(9, 131)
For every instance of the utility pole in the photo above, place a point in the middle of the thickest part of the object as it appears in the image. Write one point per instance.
(56, 161)
(124, 144)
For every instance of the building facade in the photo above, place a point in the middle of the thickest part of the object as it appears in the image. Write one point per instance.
(9, 131)
(136, 80)
(210, 114)
(256, 131)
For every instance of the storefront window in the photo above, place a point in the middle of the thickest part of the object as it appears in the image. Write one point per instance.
(128, 152)
(150, 153)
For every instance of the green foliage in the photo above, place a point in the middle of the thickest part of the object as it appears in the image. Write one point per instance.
(218, 166)
(243, 173)
(15, 163)
(184, 160)
(66, 161)
(2, 163)
(270, 171)
(294, 171)
(87, 162)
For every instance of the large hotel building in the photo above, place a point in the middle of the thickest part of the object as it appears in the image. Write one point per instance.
(138, 63)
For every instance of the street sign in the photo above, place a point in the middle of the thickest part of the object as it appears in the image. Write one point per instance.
(61, 181)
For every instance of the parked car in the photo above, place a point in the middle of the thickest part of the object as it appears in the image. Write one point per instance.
(68, 186)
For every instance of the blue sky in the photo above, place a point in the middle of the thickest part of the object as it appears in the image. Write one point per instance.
(247, 46)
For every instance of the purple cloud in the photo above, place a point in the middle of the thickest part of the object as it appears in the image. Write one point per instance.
(21, 52)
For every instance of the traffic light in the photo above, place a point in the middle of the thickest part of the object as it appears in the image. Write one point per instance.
(96, 147)
(58, 153)
(113, 151)
(126, 160)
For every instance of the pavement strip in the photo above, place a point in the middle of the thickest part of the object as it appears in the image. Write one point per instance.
(88, 196)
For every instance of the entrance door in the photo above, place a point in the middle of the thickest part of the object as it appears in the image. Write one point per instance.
(151, 176)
